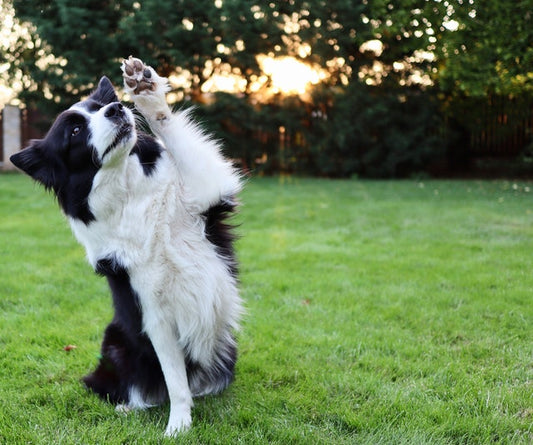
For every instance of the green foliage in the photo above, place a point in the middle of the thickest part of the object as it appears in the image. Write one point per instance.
(251, 134)
(373, 133)
(364, 132)
(19, 49)
(91, 37)
(334, 29)
(491, 52)
(394, 312)
(377, 112)
(236, 123)
(406, 31)
(84, 40)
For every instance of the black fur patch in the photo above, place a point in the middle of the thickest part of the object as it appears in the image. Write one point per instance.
(220, 232)
(149, 151)
(127, 355)
(63, 162)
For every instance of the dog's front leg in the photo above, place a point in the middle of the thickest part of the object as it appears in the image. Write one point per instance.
(206, 175)
(172, 360)
(148, 91)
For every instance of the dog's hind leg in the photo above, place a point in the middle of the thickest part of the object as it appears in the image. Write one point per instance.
(128, 373)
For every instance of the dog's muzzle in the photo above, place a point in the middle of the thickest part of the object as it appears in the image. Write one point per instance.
(115, 111)
(122, 121)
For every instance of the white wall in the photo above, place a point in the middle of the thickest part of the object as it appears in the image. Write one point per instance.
(11, 134)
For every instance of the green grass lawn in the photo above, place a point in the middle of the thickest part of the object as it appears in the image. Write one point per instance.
(377, 312)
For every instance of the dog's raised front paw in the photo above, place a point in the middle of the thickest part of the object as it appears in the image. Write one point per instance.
(138, 77)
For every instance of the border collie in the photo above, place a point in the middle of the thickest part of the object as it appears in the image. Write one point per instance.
(152, 214)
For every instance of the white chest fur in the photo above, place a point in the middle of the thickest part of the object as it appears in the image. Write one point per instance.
(129, 209)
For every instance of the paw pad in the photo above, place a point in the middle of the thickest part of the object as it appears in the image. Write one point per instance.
(137, 75)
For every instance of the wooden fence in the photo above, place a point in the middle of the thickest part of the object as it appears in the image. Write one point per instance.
(501, 127)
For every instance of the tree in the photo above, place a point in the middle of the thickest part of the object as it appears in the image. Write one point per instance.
(20, 47)
(423, 49)
(328, 33)
(89, 39)
(491, 51)
(71, 40)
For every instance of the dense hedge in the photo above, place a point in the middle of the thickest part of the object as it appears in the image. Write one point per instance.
(358, 131)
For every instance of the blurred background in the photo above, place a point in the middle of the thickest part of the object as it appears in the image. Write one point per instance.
(336, 88)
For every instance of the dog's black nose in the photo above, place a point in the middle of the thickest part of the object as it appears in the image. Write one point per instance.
(114, 110)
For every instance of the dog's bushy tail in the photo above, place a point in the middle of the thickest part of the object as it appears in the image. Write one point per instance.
(213, 379)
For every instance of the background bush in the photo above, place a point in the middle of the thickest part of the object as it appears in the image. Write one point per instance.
(362, 132)
(449, 84)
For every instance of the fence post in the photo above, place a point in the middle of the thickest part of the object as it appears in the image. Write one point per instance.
(11, 134)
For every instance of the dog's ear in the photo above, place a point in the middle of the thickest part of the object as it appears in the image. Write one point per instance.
(105, 93)
(32, 161)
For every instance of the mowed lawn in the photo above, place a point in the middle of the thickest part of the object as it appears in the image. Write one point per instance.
(377, 312)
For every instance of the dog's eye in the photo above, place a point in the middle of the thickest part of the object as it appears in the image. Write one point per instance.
(76, 130)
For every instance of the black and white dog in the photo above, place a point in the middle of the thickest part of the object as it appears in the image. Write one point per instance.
(152, 216)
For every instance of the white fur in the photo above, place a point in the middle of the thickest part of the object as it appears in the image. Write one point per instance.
(136, 401)
(154, 227)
